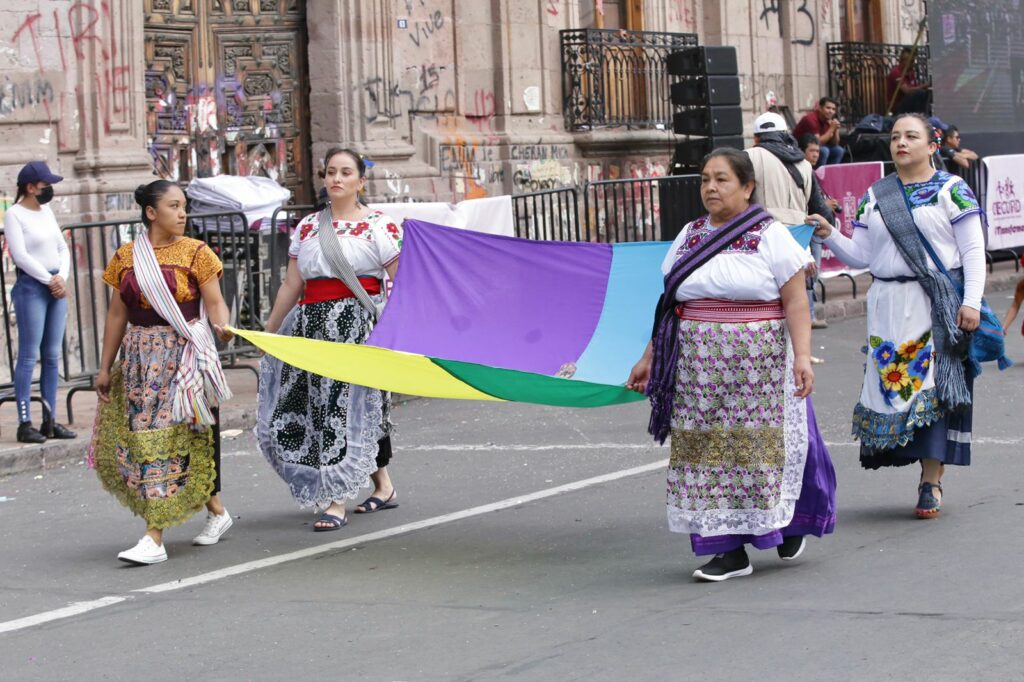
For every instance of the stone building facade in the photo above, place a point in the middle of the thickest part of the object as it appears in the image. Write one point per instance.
(452, 99)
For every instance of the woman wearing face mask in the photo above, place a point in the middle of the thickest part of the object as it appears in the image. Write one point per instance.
(325, 438)
(915, 404)
(156, 445)
(41, 255)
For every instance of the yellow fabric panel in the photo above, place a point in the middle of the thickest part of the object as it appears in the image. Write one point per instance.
(381, 368)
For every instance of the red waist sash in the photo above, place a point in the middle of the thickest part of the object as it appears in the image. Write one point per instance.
(328, 289)
(730, 312)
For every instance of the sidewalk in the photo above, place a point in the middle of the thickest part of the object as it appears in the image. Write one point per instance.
(240, 412)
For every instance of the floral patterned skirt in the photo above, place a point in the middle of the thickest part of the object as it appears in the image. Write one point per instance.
(161, 470)
(739, 436)
(321, 436)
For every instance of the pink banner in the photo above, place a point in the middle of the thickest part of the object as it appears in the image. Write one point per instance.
(846, 183)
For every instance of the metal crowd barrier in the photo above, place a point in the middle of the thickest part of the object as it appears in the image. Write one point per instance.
(631, 210)
(248, 276)
(551, 214)
(282, 224)
(229, 236)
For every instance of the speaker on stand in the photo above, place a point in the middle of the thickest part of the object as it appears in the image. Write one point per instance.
(706, 98)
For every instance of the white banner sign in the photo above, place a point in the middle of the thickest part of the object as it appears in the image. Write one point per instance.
(1004, 194)
(492, 215)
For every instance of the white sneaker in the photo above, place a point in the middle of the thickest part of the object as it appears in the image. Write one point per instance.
(215, 527)
(145, 552)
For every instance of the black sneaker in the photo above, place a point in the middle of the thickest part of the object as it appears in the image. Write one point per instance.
(26, 434)
(791, 547)
(732, 564)
(52, 429)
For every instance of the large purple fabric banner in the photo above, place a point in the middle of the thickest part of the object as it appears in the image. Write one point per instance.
(498, 301)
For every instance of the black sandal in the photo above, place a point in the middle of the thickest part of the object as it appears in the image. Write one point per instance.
(375, 504)
(333, 523)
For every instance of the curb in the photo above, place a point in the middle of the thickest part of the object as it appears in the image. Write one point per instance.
(19, 459)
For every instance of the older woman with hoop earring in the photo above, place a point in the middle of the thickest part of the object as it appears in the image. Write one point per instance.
(728, 372)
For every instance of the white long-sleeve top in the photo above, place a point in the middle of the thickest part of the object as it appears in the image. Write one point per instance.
(35, 242)
(948, 215)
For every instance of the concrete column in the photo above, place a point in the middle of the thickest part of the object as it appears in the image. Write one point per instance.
(355, 95)
(73, 94)
(900, 20)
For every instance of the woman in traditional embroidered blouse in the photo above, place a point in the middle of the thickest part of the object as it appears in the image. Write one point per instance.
(748, 465)
(900, 418)
(325, 438)
(163, 468)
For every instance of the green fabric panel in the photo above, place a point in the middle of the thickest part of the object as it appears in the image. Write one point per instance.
(526, 387)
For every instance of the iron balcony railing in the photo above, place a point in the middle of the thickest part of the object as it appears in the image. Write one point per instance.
(857, 74)
(618, 78)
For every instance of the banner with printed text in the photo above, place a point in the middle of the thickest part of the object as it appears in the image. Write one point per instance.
(1003, 195)
(846, 183)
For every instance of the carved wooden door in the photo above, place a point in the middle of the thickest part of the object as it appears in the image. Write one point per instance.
(227, 90)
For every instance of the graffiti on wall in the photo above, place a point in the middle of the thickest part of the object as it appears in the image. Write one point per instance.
(762, 89)
(423, 84)
(86, 45)
(682, 15)
(805, 27)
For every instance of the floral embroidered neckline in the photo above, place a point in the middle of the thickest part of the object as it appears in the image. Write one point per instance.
(702, 228)
(926, 192)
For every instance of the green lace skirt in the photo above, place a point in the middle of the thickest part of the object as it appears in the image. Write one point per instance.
(161, 470)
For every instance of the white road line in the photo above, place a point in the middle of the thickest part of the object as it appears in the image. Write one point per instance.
(516, 447)
(79, 608)
(520, 447)
(73, 609)
(502, 447)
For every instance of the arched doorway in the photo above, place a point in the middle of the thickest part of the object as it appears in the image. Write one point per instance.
(227, 90)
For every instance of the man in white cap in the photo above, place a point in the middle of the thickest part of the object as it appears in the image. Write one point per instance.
(786, 184)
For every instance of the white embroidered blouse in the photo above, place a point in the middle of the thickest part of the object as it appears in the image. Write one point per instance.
(369, 244)
(753, 268)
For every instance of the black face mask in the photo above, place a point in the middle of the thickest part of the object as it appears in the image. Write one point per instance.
(45, 195)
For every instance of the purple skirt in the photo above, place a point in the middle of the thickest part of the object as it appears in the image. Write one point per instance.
(815, 509)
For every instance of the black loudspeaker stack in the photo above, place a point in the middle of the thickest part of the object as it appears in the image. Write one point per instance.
(706, 97)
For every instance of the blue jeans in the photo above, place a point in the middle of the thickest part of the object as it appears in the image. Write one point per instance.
(831, 153)
(41, 321)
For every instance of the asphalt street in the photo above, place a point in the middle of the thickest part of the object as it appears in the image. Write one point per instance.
(530, 544)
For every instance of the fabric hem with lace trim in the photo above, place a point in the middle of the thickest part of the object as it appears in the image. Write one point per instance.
(366, 423)
(112, 432)
(881, 431)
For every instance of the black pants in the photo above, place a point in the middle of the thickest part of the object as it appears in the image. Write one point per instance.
(216, 450)
(384, 453)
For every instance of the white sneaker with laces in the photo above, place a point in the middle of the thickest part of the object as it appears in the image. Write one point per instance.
(145, 552)
(214, 528)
